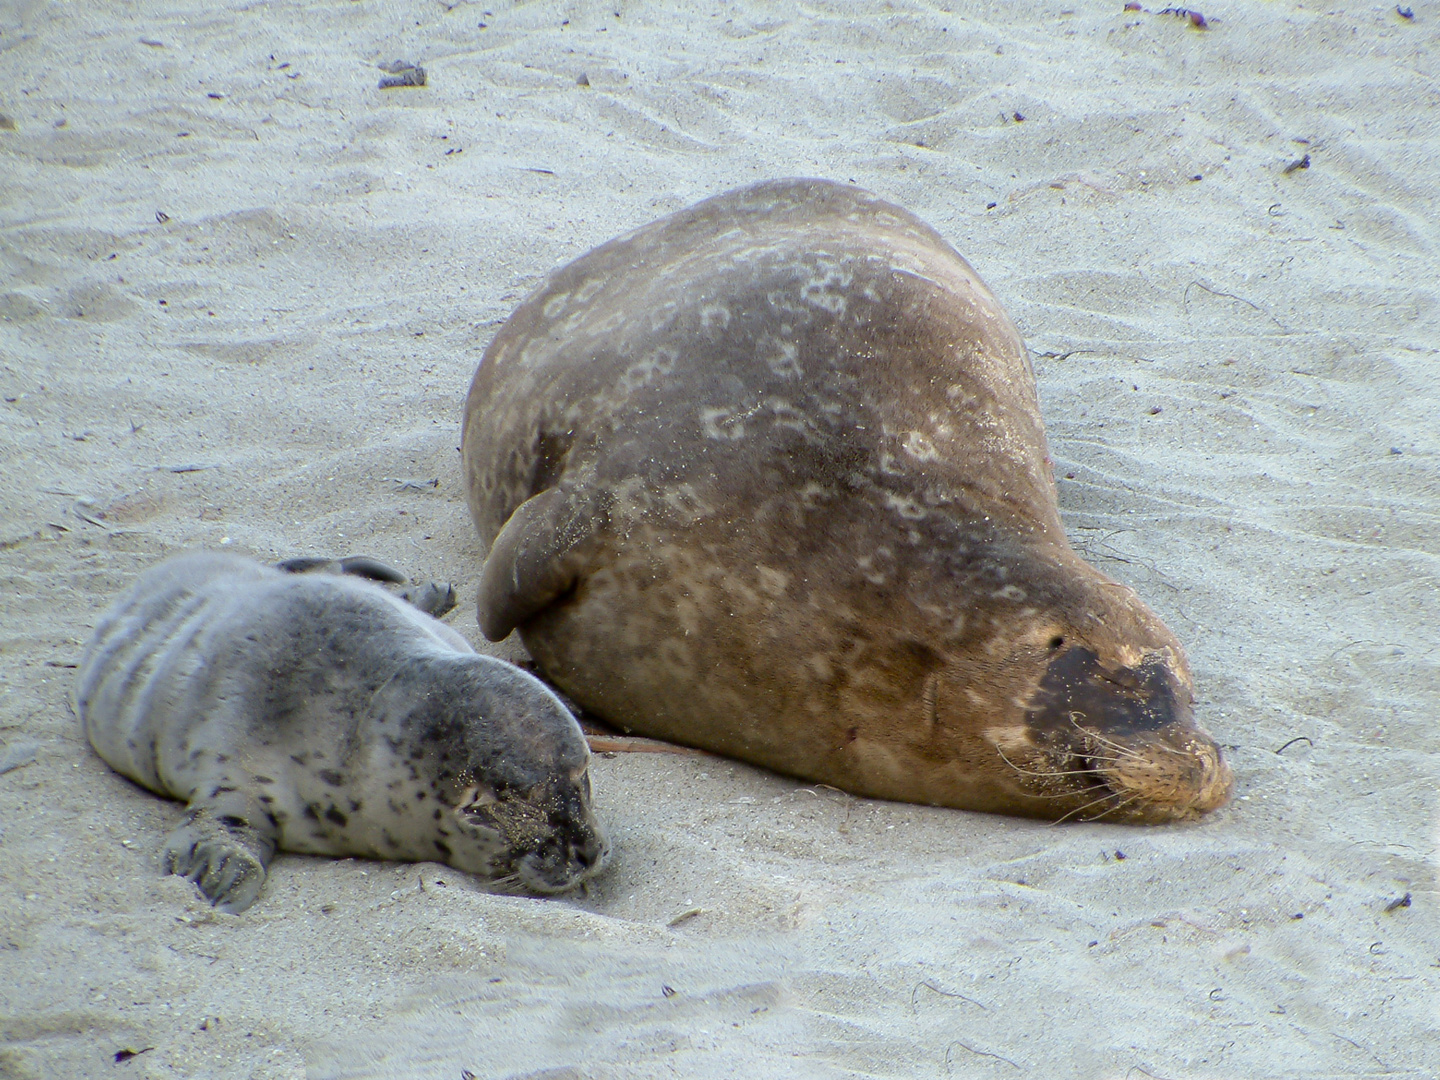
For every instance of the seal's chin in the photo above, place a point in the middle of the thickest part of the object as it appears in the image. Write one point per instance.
(1113, 743)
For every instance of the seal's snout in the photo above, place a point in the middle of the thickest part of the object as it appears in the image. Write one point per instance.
(565, 861)
(1122, 739)
(1174, 774)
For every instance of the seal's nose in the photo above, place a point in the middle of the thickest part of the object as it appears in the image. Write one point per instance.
(1217, 781)
(590, 854)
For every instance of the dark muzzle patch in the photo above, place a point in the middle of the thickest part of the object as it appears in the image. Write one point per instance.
(1078, 691)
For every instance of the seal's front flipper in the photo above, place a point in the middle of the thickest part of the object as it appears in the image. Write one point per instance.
(535, 559)
(223, 854)
(358, 565)
(434, 598)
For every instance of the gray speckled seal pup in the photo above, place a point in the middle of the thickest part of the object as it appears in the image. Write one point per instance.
(319, 714)
(768, 477)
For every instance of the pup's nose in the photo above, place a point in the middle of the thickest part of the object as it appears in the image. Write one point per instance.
(591, 853)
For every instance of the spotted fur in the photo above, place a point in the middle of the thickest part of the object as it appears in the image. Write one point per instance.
(317, 713)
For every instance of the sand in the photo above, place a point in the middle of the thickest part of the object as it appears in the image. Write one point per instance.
(243, 291)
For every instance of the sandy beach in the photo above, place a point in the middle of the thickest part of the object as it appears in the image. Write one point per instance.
(243, 291)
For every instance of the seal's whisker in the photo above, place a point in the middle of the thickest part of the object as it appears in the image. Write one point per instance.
(1111, 744)
(1060, 773)
(1174, 751)
(1127, 750)
(1067, 794)
(1100, 758)
(1106, 759)
(507, 883)
(1082, 808)
(1043, 775)
(1052, 773)
(1118, 806)
(1079, 813)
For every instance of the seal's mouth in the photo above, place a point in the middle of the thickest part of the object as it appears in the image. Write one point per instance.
(1146, 783)
(1172, 774)
(557, 865)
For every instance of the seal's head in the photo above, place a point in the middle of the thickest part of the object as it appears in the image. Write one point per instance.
(1116, 739)
(1112, 739)
(537, 839)
(510, 768)
(1083, 700)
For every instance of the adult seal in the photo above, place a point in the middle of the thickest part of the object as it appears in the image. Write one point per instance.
(317, 713)
(768, 477)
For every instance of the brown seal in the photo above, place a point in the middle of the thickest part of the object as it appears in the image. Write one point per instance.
(768, 477)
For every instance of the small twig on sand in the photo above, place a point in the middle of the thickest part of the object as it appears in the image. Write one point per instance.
(1185, 302)
(1194, 18)
(928, 985)
(977, 1053)
(413, 485)
(628, 744)
(86, 511)
(1142, 1072)
(684, 917)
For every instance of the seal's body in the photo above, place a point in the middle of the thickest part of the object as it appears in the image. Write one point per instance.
(768, 477)
(319, 714)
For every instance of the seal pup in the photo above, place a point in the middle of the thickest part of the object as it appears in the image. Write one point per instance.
(768, 477)
(316, 713)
